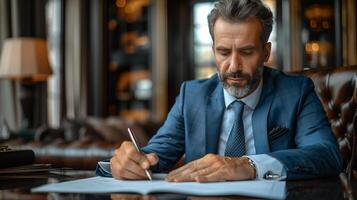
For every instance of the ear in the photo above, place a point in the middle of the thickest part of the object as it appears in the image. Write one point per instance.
(267, 49)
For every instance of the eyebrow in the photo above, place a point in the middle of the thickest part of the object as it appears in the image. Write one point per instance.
(222, 48)
(248, 47)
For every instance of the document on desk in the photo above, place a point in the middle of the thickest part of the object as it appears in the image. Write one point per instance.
(262, 189)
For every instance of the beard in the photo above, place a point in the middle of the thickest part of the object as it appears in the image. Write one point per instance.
(237, 90)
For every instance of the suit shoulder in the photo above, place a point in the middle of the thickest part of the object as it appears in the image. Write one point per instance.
(288, 81)
(202, 85)
(286, 76)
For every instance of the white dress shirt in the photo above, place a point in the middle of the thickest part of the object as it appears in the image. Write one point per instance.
(264, 163)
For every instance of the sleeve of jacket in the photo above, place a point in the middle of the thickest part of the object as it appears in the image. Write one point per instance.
(317, 153)
(169, 142)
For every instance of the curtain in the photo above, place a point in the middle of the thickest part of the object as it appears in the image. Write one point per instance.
(54, 18)
(27, 18)
(19, 18)
(9, 107)
(76, 46)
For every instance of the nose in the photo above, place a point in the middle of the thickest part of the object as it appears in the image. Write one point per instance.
(236, 63)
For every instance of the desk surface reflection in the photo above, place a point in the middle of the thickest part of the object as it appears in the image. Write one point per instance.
(19, 188)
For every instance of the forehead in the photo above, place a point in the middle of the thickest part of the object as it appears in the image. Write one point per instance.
(245, 31)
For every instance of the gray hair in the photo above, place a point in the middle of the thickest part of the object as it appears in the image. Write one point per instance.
(240, 10)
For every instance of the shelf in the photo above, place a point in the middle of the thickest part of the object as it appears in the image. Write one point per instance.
(130, 85)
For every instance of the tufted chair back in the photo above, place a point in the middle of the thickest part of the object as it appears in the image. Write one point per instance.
(337, 90)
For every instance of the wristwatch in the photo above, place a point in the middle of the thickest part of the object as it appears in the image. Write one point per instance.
(252, 164)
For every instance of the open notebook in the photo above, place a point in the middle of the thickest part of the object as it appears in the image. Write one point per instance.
(261, 189)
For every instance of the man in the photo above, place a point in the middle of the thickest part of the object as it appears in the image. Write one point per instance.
(247, 122)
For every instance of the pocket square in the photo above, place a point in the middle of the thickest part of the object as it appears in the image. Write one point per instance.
(277, 132)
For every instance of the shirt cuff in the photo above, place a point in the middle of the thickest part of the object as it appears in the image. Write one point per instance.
(268, 167)
(103, 169)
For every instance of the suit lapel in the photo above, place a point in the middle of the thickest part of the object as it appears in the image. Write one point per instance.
(261, 113)
(214, 114)
(215, 109)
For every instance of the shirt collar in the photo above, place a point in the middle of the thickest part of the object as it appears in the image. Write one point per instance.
(251, 100)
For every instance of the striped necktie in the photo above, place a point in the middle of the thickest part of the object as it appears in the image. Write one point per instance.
(235, 146)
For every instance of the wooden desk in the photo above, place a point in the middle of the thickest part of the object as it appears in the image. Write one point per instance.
(19, 188)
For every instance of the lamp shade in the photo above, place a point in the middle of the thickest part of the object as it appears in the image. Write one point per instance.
(25, 58)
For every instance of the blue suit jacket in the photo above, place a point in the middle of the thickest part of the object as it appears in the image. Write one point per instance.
(307, 149)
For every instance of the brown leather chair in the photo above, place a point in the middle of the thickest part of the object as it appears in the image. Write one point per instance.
(337, 90)
(80, 144)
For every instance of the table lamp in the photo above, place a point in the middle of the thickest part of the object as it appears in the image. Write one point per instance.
(26, 60)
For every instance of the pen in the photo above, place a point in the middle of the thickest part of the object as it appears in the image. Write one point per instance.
(133, 139)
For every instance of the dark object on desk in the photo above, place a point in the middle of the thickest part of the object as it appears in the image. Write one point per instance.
(12, 158)
(28, 169)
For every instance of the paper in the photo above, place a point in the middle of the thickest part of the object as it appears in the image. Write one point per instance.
(261, 189)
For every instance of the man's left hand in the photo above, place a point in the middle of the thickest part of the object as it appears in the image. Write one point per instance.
(213, 168)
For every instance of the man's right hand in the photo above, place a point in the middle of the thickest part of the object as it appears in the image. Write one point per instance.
(128, 163)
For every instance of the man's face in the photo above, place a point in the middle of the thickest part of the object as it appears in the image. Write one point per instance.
(240, 55)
